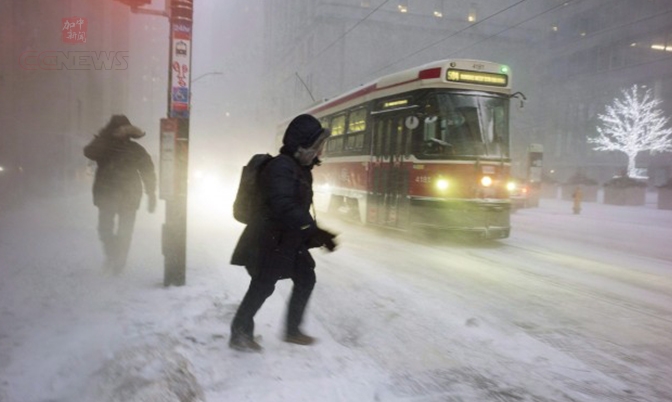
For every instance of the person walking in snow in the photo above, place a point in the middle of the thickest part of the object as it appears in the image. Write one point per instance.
(123, 168)
(275, 245)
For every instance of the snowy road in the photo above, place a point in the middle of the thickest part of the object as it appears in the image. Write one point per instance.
(570, 308)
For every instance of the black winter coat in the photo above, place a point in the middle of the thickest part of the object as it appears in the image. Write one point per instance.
(123, 167)
(276, 243)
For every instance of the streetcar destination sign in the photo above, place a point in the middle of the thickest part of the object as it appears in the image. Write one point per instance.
(477, 77)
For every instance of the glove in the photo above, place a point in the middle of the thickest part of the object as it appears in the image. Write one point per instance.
(330, 245)
(323, 238)
(151, 203)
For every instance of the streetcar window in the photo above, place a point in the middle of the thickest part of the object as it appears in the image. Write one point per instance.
(387, 134)
(357, 121)
(400, 137)
(338, 125)
(335, 143)
(378, 139)
(359, 141)
(406, 149)
(463, 125)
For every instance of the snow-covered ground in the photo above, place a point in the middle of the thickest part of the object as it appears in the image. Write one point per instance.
(570, 308)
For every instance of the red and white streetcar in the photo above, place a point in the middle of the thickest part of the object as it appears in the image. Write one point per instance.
(426, 147)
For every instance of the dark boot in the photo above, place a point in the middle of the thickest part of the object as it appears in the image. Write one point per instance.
(242, 326)
(299, 338)
(244, 343)
(297, 306)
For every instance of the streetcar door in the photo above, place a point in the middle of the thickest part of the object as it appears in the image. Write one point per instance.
(389, 202)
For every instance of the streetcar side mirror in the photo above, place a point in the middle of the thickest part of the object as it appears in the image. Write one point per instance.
(520, 96)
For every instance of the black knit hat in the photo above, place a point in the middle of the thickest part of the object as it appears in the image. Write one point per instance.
(303, 131)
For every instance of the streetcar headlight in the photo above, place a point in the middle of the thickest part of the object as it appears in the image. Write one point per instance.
(486, 181)
(441, 184)
(511, 186)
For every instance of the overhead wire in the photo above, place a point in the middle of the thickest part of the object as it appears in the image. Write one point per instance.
(515, 25)
(321, 52)
(566, 3)
(452, 35)
(348, 31)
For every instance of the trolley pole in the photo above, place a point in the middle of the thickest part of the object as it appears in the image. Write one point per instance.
(174, 233)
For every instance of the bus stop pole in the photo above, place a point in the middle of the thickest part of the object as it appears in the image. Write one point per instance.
(174, 233)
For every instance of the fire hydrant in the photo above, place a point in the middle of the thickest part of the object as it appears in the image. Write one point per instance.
(577, 196)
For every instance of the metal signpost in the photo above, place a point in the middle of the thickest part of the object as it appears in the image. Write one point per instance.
(174, 159)
(174, 242)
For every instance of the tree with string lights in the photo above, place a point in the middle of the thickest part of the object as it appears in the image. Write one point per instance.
(631, 125)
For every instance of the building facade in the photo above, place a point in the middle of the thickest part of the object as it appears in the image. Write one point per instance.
(63, 72)
(569, 58)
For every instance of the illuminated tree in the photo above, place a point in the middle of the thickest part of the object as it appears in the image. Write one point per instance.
(631, 125)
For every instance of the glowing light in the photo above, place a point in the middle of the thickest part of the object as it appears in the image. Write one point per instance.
(471, 17)
(555, 28)
(661, 47)
(210, 192)
(438, 14)
(486, 181)
(477, 77)
(511, 186)
(442, 184)
(400, 102)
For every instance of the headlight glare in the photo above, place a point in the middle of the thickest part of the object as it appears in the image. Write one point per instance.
(442, 184)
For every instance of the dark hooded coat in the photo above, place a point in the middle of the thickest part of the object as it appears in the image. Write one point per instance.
(277, 242)
(124, 166)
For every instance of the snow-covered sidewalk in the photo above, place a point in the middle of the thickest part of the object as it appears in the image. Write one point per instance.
(510, 321)
(70, 333)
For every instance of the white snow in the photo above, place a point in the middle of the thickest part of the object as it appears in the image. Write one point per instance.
(570, 308)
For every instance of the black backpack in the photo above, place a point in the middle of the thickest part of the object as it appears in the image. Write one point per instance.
(249, 198)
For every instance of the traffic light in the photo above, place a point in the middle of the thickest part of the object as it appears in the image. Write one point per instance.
(135, 3)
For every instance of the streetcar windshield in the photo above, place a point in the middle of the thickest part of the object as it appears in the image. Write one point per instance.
(454, 125)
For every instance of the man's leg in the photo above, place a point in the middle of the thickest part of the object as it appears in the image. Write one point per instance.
(304, 282)
(242, 326)
(106, 233)
(124, 235)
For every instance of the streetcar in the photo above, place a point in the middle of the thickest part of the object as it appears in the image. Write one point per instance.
(424, 148)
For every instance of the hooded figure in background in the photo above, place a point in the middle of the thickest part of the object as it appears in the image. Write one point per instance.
(123, 168)
(275, 245)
